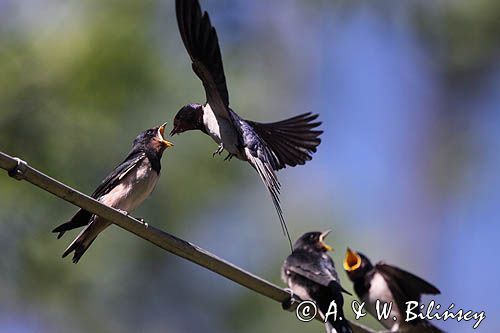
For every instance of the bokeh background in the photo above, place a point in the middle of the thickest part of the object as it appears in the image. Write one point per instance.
(408, 170)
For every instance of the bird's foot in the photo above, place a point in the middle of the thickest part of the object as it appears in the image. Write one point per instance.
(140, 219)
(229, 157)
(143, 222)
(124, 212)
(287, 304)
(219, 150)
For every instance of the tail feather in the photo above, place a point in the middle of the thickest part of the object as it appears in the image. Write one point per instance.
(80, 219)
(292, 141)
(84, 239)
(272, 184)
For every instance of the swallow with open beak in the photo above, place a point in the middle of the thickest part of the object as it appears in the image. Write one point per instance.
(125, 188)
(268, 147)
(310, 274)
(388, 284)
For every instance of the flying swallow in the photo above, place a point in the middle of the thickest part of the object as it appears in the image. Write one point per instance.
(268, 147)
(125, 188)
(388, 284)
(310, 273)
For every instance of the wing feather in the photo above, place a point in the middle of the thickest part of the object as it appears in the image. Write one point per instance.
(291, 141)
(83, 217)
(405, 286)
(201, 42)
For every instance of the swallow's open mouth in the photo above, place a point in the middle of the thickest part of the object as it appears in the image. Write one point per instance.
(161, 132)
(352, 260)
(322, 237)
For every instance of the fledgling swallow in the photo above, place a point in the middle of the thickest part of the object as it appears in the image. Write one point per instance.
(268, 147)
(388, 284)
(125, 188)
(310, 273)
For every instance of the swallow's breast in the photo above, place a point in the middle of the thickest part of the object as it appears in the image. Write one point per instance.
(221, 130)
(379, 291)
(135, 187)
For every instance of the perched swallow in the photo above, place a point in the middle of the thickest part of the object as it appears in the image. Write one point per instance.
(268, 147)
(125, 188)
(310, 273)
(388, 284)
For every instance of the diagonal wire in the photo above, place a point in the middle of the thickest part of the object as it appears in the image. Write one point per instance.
(20, 170)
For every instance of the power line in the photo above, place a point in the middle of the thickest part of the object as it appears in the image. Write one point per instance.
(20, 170)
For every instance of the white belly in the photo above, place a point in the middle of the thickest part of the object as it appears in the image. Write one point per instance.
(220, 130)
(379, 290)
(135, 187)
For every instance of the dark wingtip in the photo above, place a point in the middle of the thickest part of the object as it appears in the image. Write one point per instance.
(436, 291)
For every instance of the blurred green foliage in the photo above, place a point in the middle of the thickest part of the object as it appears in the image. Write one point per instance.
(78, 81)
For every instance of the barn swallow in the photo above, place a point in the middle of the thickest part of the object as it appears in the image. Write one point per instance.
(268, 147)
(388, 284)
(125, 188)
(310, 273)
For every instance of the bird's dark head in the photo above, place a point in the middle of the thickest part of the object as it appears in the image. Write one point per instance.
(153, 140)
(189, 117)
(313, 241)
(356, 264)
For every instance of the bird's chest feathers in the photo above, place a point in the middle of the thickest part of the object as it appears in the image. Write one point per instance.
(134, 188)
(379, 290)
(298, 288)
(220, 129)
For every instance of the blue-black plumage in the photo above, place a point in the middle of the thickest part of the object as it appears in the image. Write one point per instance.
(125, 188)
(268, 147)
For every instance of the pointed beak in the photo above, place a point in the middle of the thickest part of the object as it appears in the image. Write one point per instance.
(173, 131)
(352, 260)
(161, 132)
(322, 237)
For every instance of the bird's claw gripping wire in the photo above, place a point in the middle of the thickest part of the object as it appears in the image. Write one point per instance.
(140, 219)
(287, 304)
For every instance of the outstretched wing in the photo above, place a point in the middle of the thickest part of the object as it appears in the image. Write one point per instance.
(200, 40)
(405, 286)
(292, 141)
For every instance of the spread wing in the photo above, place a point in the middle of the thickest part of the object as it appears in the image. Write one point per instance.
(405, 286)
(292, 141)
(200, 40)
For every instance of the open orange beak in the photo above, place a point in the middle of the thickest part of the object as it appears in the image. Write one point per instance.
(352, 260)
(322, 237)
(161, 131)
